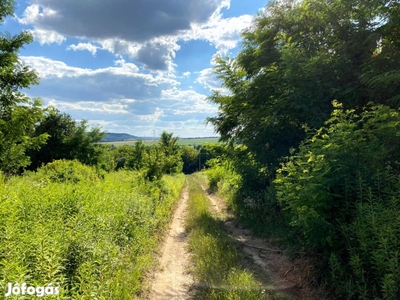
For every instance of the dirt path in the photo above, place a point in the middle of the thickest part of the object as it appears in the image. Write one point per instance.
(173, 281)
(284, 275)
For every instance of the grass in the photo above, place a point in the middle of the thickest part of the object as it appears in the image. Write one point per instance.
(217, 265)
(94, 238)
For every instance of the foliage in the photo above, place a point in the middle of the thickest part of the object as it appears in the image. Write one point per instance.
(121, 154)
(296, 58)
(154, 166)
(65, 171)
(131, 157)
(18, 113)
(215, 173)
(136, 160)
(152, 160)
(94, 238)
(313, 182)
(68, 139)
(343, 177)
(369, 267)
(209, 151)
(171, 152)
(190, 159)
(257, 208)
(17, 123)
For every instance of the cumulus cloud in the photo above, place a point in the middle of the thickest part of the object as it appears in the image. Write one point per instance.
(144, 36)
(187, 102)
(224, 34)
(84, 46)
(81, 84)
(157, 55)
(43, 36)
(119, 94)
(129, 20)
(147, 31)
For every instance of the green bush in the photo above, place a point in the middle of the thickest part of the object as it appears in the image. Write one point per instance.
(215, 173)
(369, 265)
(342, 191)
(70, 171)
(190, 159)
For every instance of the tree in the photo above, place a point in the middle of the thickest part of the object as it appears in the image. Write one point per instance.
(83, 143)
(130, 157)
(58, 126)
(18, 113)
(68, 139)
(171, 151)
(298, 57)
(136, 161)
(190, 158)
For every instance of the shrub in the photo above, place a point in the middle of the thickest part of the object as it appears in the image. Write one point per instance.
(66, 171)
(342, 193)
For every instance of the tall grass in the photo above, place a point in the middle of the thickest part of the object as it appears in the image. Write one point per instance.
(217, 264)
(92, 237)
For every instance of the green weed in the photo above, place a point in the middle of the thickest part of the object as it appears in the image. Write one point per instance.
(94, 238)
(217, 265)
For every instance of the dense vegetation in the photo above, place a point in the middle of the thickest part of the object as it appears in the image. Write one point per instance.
(93, 237)
(311, 126)
(74, 214)
(311, 158)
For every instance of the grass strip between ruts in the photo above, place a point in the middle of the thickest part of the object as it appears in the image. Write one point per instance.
(217, 265)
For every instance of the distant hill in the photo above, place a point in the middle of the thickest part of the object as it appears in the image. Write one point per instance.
(114, 137)
(117, 137)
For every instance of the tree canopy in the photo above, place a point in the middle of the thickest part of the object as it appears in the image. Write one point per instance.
(19, 114)
(297, 57)
(68, 139)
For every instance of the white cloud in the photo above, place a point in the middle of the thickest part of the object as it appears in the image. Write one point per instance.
(208, 79)
(84, 46)
(152, 117)
(147, 31)
(223, 33)
(43, 36)
(115, 90)
(188, 102)
(35, 13)
(93, 107)
(140, 92)
(47, 68)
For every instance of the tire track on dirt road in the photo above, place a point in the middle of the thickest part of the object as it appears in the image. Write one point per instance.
(284, 275)
(172, 280)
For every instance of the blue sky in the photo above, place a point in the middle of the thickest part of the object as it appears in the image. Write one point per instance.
(131, 66)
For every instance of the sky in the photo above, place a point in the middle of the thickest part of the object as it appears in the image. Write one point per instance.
(131, 66)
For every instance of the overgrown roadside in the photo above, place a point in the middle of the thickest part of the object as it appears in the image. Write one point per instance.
(221, 271)
(268, 263)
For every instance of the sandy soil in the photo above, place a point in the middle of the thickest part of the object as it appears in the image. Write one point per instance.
(172, 280)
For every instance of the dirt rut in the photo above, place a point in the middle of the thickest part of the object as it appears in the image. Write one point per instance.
(172, 280)
(285, 276)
